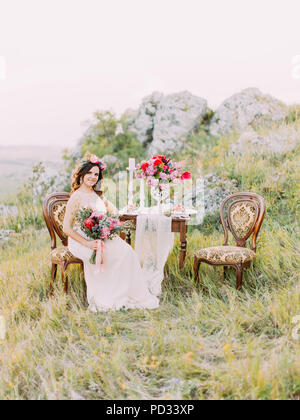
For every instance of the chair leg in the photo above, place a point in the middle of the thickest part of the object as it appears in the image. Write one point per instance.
(196, 270)
(64, 278)
(224, 272)
(53, 278)
(239, 276)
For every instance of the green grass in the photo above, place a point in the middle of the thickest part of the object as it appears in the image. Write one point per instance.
(213, 343)
(206, 343)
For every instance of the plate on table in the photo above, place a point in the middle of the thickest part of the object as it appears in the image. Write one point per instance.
(187, 213)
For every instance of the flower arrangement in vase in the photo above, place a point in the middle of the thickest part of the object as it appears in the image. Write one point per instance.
(160, 172)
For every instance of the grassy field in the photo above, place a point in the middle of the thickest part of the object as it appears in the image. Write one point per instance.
(206, 343)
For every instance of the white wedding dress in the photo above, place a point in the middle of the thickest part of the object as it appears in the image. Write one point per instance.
(122, 284)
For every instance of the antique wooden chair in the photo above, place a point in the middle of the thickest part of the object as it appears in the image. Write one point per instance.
(54, 207)
(242, 214)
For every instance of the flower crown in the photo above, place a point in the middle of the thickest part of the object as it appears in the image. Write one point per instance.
(94, 159)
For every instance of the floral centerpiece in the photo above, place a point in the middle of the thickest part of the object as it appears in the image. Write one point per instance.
(160, 172)
(98, 226)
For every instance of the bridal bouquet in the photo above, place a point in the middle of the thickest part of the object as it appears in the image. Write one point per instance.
(98, 226)
(160, 171)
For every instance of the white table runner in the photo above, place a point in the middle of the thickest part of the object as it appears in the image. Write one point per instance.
(154, 241)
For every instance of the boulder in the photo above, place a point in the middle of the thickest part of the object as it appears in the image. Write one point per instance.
(250, 107)
(278, 141)
(177, 115)
(164, 121)
(141, 121)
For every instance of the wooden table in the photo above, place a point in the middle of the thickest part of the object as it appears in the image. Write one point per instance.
(179, 225)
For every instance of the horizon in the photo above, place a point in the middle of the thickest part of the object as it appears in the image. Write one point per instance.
(109, 56)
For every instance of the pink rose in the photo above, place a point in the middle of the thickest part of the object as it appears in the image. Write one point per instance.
(157, 162)
(186, 175)
(89, 224)
(138, 175)
(95, 214)
(174, 175)
(94, 159)
(176, 181)
(145, 166)
(154, 182)
(105, 232)
(163, 175)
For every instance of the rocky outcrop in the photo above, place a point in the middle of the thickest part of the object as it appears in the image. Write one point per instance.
(8, 210)
(163, 121)
(247, 108)
(141, 121)
(209, 194)
(279, 141)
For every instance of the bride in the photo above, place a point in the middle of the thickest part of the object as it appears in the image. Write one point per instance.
(122, 283)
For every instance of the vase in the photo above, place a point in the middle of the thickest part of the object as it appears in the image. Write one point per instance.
(160, 195)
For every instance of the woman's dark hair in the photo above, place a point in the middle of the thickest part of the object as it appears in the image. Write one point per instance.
(81, 172)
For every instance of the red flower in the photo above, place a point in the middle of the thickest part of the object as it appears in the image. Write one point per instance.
(186, 175)
(145, 166)
(157, 162)
(88, 223)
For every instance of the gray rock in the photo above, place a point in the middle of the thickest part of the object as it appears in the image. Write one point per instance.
(177, 115)
(250, 107)
(8, 210)
(141, 121)
(279, 141)
(208, 195)
(5, 233)
(164, 122)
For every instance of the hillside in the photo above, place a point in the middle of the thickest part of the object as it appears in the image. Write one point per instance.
(206, 342)
(16, 163)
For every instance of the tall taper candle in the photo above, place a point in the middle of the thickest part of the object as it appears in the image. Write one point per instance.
(130, 187)
(142, 194)
(131, 164)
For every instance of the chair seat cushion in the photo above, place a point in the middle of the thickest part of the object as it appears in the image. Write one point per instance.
(226, 254)
(63, 255)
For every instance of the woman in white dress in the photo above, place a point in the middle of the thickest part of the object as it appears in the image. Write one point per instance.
(122, 283)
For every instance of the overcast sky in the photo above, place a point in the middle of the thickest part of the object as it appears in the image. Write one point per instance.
(61, 60)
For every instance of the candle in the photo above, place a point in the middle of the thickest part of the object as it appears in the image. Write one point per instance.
(131, 164)
(142, 194)
(131, 168)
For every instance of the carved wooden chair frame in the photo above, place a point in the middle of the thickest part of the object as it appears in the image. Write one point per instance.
(225, 214)
(49, 204)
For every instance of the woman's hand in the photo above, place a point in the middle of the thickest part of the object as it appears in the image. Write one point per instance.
(92, 245)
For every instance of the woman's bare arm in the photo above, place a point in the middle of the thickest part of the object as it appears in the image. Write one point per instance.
(110, 207)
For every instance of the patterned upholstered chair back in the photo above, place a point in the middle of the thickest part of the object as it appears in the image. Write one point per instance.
(54, 208)
(242, 214)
